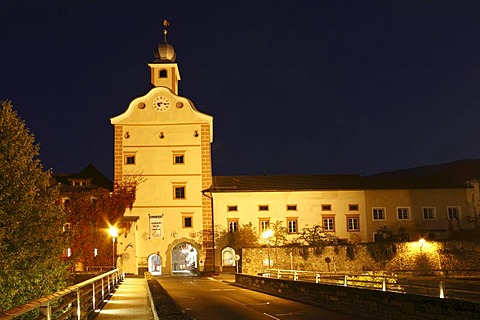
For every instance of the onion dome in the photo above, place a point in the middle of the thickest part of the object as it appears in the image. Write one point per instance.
(164, 52)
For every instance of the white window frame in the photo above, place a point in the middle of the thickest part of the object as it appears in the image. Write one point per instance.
(458, 213)
(353, 228)
(384, 213)
(292, 225)
(264, 224)
(400, 214)
(434, 213)
(328, 223)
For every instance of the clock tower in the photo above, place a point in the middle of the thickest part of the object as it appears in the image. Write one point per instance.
(163, 142)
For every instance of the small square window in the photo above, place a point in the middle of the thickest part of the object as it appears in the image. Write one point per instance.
(179, 159)
(291, 207)
(326, 207)
(353, 207)
(130, 159)
(232, 208)
(263, 207)
(179, 192)
(187, 222)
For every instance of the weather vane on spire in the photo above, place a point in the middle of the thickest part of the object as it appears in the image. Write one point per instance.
(166, 24)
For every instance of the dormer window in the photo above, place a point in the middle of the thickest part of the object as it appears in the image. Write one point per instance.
(162, 73)
(79, 183)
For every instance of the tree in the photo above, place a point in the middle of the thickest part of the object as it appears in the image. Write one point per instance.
(246, 236)
(90, 213)
(315, 237)
(32, 242)
(279, 237)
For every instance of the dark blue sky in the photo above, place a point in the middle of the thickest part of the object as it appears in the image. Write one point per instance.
(295, 87)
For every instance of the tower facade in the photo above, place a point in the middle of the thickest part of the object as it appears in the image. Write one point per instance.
(163, 143)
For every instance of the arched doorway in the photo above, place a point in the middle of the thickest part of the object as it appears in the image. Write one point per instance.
(184, 258)
(228, 257)
(155, 264)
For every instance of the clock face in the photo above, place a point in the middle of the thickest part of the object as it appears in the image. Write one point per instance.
(161, 103)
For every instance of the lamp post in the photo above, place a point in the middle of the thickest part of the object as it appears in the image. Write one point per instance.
(267, 234)
(114, 233)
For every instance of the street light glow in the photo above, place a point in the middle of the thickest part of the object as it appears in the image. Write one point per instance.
(113, 232)
(267, 234)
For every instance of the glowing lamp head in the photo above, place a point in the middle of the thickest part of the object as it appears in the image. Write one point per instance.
(113, 232)
(267, 234)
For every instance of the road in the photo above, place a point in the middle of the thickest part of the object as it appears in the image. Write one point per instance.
(208, 298)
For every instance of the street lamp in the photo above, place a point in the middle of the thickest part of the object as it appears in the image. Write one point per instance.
(422, 243)
(114, 233)
(267, 234)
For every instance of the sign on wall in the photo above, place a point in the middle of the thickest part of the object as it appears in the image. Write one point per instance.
(156, 226)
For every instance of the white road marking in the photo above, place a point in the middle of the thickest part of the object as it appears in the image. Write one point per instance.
(269, 315)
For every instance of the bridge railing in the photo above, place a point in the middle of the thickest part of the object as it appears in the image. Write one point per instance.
(75, 302)
(466, 286)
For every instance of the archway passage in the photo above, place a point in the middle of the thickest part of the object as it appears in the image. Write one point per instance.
(184, 258)
(155, 264)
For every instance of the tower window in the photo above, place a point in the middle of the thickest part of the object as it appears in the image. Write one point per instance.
(129, 159)
(162, 73)
(179, 192)
(179, 159)
(187, 222)
(232, 225)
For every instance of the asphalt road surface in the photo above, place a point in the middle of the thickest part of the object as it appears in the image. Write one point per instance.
(208, 298)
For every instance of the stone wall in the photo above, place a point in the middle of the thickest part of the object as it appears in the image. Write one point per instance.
(450, 255)
(366, 304)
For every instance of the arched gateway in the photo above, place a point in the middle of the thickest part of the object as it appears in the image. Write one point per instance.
(184, 258)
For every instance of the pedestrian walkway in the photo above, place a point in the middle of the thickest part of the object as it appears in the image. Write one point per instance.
(130, 301)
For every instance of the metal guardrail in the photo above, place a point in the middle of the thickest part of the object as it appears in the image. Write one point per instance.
(75, 302)
(466, 287)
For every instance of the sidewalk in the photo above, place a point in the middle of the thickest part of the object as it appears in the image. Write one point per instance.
(130, 301)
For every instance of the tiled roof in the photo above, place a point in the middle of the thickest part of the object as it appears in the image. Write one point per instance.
(285, 182)
(326, 182)
(441, 176)
(96, 180)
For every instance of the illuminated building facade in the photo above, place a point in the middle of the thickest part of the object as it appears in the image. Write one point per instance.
(164, 140)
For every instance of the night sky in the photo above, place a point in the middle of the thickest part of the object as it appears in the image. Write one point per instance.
(295, 87)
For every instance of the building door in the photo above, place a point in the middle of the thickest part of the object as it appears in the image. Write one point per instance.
(184, 258)
(228, 257)
(155, 264)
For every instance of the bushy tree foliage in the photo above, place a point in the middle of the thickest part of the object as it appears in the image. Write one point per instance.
(90, 214)
(32, 241)
(245, 236)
